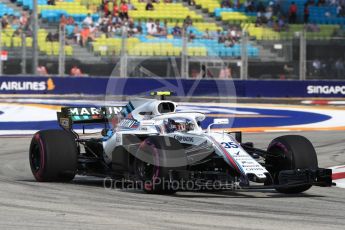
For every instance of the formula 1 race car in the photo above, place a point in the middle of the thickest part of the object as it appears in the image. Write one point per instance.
(149, 143)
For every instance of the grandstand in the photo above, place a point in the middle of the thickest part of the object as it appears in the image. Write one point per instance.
(213, 29)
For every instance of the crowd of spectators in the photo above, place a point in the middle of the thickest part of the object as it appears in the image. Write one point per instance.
(115, 20)
(322, 68)
(20, 24)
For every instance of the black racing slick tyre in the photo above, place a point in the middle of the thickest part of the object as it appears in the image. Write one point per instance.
(152, 165)
(53, 156)
(296, 152)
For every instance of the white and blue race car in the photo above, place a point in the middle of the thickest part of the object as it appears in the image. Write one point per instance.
(164, 151)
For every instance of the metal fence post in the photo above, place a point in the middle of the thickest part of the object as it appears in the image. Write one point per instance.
(62, 51)
(34, 16)
(184, 54)
(23, 63)
(123, 56)
(244, 56)
(302, 56)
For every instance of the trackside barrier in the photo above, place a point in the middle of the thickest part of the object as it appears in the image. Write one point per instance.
(141, 86)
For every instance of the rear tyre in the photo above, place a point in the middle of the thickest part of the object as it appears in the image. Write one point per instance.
(53, 156)
(298, 153)
(152, 164)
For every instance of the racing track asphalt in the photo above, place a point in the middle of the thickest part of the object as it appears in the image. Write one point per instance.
(85, 204)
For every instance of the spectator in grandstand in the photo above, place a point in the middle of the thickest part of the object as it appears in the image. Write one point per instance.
(268, 14)
(88, 20)
(149, 5)
(56, 36)
(249, 6)
(229, 41)
(75, 71)
(63, 21)
(339, 68)
(177, 30)
(225, 72)
(4, 21)
(112, 30)
(49, 37)
(70, 20)
(316, 67)
(149, 24)
(76, 33)
(95, 33)
(288, 71)
(130, 5)
(293, 13)
(103, 23)
(276, 8)
(42, 70)
(24, 20)
(312, 28)
(152, 30)
(260, 9)
(85, 33)
(51, 2)
(116, 9)
(118, 29)
(282, 25)
(275, 26)
(205, 73)
(157, 25)
(195, 73)
(105, 7)
(321, 3)
(123, 10)
(191, 2)
(132, 30)
(226, 4)
(237, 4)
(191, 36)
(187, 22)
(15, 22)
(162, 30)
(207, 34)
(218, 36)
(312, 2)
(341, 10)
(139, 27)
(306, 13)
(234, 33)
(17, 32)
(116, 19)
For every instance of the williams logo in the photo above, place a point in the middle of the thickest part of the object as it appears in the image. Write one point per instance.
(27, 85)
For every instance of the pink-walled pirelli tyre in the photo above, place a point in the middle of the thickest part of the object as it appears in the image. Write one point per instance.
(152, 170)
(53, 156)
(298, 153)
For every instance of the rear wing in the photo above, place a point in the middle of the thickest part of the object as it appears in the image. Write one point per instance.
(87, 115)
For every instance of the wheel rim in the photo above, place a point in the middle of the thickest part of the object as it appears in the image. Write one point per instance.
(145, 170)
(35, 158)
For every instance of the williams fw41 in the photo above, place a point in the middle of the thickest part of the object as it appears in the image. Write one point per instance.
(148, 143)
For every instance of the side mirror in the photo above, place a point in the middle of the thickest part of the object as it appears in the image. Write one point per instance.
(218, 121)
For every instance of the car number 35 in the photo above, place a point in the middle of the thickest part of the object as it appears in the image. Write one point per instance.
(229, 145)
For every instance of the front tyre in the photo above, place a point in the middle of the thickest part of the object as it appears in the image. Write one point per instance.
(296, 152)
(53, 156)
